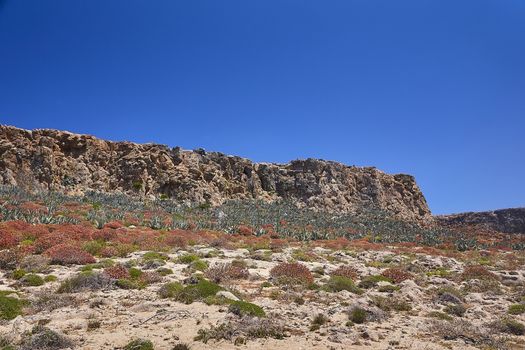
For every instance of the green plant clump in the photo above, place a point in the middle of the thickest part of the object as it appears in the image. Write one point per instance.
(357, 315)
(199, 291)
(339, 283)
(10, 307)
(243, 308)
(516, 309)
(32, 280)
(170, 290)
(139, 344)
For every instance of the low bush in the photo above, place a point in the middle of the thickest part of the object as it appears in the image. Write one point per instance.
(65, 254)
(357, 315)
(510, 326)
(397, 275)
(170, 290)
(117, 272)
(291, 274)
(199, 291)
(85, 281)
(10, 307)
(391, 303)
(440, 315)
(345, 271)
(43, 338)
(456, 310)
(243, 308)
(32, 280)
(225, 272)
(187, 258)
(478, 272)
(241, 329)
(372, 281)
(318, 321)
(339, 283)
(139, 344)
(516, 309)
(199, 265)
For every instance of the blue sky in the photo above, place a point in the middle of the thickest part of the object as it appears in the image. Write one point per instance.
(431, 88)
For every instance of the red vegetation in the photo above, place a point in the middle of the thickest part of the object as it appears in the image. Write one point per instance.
(397, 275)
(477, 272)
(293, 272)
(66, 254)
(117, 272)
(8, 239)
(345, 271)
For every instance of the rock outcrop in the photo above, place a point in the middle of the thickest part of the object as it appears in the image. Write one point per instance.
(503, 220)
(63, 161)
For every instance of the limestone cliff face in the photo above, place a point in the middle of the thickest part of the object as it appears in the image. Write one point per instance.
(62, 161)
(504, 220)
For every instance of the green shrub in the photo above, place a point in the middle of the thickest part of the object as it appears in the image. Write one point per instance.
(10, 307)
(18, 274)
(135, 273)
(339, 283)
(516, 309)
(243, 308)
(154, 256)
(512, 326)
(199, 291)
(318, 321)
(357, 315)
(127, 283)
(93, 247)
(164, 271)
(32, 280)
(440, 315)
(388, 288)
(199, 265)
(139, 344)
(372, 281)
(170, 290)
(456, 310)
(50, 278)
(187, 258)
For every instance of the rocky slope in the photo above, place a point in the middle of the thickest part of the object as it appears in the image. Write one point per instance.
(504, 220)
(73, 163)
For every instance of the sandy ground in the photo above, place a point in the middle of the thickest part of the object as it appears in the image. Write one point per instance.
(129, 314)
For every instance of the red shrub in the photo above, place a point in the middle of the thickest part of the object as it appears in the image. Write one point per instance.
(292, 273)
(245, 230)
(67, 254)
(106, 234)
(113, 225)
(117, 272)
(345, 271)
(49, 240)
(226, 271)
(397, 275)
(8, 239)
(109, 252)
(477, 272)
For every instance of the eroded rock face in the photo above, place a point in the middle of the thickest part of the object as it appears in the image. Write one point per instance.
(62, 161)
(504, 220)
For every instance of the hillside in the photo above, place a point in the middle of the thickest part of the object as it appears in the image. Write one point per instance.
(72, 163)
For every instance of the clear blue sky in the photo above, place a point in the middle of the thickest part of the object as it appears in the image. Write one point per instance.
(431, 88)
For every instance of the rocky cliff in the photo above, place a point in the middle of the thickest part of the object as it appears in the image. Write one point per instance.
(503, 220)
(62, 161)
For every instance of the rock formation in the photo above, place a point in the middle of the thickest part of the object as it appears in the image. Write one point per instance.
(503, 220)
(63, 161)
